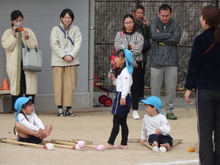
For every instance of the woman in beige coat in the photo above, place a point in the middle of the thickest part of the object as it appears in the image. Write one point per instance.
(65, 42)
(13, 39)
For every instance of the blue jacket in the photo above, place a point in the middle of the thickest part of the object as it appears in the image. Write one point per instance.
(204, 69)
(164, 43)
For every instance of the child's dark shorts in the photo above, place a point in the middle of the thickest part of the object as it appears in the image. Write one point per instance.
(30, 139)
(161, 139)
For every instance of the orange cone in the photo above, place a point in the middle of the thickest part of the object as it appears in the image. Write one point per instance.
(5, 85)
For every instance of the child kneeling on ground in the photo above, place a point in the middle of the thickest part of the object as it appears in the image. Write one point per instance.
(28, 126)
(155, 127)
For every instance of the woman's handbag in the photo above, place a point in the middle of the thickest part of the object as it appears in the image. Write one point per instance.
(32, 59)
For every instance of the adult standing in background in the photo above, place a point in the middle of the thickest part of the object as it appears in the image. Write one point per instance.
(65, 42)
(13, 40)
(165, 35)
(203, 76)
(143, 27)
(132, 40)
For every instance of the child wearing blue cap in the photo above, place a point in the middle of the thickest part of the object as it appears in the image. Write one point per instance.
(28, 126)
(122, 101)
(155, 127)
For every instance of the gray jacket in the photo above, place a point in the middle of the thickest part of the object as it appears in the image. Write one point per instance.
(164, 43)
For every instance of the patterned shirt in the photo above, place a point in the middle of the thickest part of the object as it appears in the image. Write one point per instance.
(122, 41)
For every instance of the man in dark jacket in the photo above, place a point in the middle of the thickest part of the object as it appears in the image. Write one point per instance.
(143, 27)
(165, 35)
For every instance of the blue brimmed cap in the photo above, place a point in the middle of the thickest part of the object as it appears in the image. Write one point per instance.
(155, 101)
(129, 60)
(18, 105)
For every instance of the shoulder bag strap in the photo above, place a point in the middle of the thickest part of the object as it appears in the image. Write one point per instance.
(65, 34)
(25, 115)
(209, 47)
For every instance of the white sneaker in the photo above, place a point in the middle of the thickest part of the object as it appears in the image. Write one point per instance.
(163, 149)
(155, 149)
(135, 115)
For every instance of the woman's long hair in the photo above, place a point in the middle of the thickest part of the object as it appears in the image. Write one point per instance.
(211, 15)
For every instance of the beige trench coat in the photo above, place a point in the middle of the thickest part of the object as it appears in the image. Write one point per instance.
(10, 44)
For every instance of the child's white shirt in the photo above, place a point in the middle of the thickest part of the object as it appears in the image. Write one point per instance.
(34, 123)
(150, 124)
(123, 82)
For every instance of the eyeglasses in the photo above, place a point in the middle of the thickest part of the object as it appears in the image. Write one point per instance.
(128, 23)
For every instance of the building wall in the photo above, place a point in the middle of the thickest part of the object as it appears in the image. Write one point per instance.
(41, 16)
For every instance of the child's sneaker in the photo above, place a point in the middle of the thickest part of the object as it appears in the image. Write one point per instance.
(163, 149)
(155, 149)
(135, 115)
(69, 113)
(60, 112)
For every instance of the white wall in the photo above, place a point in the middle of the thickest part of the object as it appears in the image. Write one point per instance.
(41, 16)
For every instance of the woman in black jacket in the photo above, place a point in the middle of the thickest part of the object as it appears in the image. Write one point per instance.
(204, 76)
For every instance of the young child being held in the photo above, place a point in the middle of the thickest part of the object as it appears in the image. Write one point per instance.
(122, 101)
(155, 127)
(28, 126)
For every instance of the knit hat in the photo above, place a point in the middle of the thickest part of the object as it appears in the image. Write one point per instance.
(18, 105)
(129, 60)
(155, 101)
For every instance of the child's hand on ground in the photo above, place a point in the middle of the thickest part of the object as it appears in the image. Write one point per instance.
(142, 142)
(158, 131)
(122, 101)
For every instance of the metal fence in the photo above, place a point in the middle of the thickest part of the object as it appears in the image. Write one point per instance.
(108, 21)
